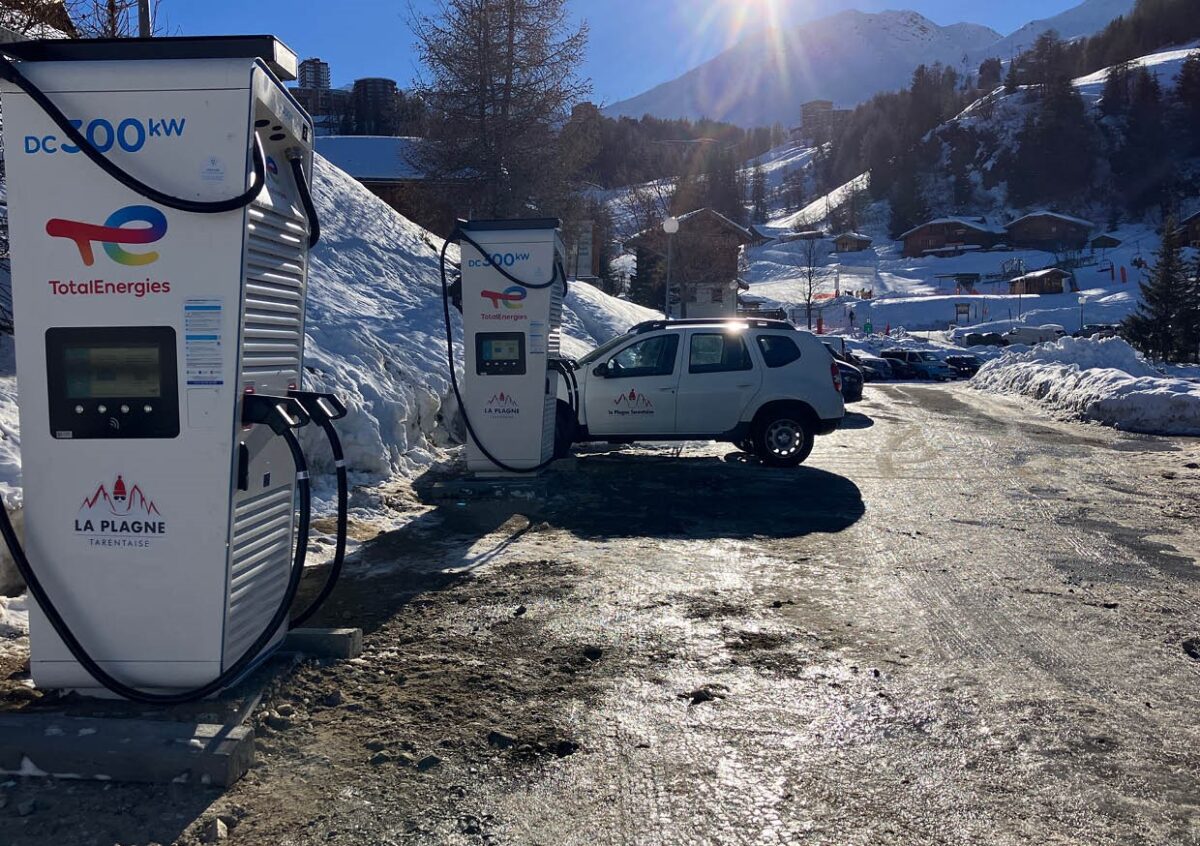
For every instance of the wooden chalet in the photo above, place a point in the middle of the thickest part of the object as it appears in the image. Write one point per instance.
(851, 242)
(1049, 231)
(949, 236)
(1052, 280)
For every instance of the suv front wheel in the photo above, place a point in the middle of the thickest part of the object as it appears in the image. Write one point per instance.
(783, 439)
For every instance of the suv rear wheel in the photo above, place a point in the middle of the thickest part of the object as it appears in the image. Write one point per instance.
(783, 439)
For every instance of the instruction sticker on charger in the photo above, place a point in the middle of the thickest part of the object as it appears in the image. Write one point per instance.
(204, 352)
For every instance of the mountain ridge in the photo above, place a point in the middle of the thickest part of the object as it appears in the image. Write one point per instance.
(845, 57)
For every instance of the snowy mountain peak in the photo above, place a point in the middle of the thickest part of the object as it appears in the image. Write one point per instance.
(846, 57)
(1087, 18)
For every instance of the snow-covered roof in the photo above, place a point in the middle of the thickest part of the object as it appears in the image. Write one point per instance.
(1078, 221)
(1193, 216)
(857, 236)
(745, 234)
(977, 225)
(1044, 273)
(379, 158)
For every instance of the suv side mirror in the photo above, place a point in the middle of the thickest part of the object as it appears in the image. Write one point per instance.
(605, 370)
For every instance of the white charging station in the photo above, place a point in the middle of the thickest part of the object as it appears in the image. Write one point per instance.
(511, 334)
(158, 521)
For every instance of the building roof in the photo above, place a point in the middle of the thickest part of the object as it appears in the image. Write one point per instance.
(743, 234)
(971, 223)
(1077, 221)
(373, 158)
(1191, 217)
(1044, 273)
(1106, 239)
(857, 236)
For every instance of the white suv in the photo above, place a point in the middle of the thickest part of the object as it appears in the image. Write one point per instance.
(760, 384)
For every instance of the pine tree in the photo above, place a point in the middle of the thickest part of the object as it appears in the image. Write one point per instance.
(1055, 151)
(1012, 80)
(1187, 98)
(907, 201)
(1114, 102)
(990, 73)
(1141, 164)
(758, 195)
(1190, 314)
(500, 79)
(1158, 327)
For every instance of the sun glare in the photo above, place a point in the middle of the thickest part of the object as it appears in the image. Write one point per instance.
(725, 23)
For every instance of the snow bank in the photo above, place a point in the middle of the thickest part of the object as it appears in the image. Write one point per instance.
(1101, 380)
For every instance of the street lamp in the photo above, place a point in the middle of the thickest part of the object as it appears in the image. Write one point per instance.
(670, 226)
(1082, 301)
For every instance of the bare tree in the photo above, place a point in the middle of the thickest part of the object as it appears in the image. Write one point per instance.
(500, 79)
(813, 252)
(112, 18)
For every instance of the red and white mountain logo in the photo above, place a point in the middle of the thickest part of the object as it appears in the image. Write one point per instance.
(122, 516)
(632, 403)
(502, 405)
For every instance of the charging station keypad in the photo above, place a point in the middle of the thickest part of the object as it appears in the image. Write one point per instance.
(112, 382)
(500, 353)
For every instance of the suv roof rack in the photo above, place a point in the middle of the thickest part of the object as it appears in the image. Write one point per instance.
(754, 322)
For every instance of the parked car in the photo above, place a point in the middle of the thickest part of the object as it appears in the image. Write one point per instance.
(923, 365)
(1033, 335)
(984, 339)
(898, 361)
(874, 369)
(762, 385)
(1098, 330)
(964, 366)
(852, 382)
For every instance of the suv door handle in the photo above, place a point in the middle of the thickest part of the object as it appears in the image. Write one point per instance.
(666, 390)
(747, 385)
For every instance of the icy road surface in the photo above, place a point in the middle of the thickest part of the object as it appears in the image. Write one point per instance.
(964, 623)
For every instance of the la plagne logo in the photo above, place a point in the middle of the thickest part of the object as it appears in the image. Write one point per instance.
(122, 516)
(632, 403)
(502, 405)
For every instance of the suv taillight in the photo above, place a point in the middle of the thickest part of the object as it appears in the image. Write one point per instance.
(836, 373)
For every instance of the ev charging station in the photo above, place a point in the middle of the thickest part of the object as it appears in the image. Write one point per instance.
(159, 283)
(513, 285)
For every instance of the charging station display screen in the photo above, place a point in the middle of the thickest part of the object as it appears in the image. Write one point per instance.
(112, 382)
(107, 372)
(501, 350)
(500, 353)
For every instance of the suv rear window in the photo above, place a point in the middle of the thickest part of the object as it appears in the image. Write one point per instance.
(778, 350)
(718, 353)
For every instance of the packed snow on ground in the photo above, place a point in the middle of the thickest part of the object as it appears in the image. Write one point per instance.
(1101, 380)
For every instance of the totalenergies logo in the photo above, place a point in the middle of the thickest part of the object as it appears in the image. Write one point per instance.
(113, 234)
(511, 297)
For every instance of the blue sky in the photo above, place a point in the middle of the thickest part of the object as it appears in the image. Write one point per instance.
(635, 44)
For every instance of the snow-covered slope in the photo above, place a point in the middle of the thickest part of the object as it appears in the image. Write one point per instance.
(1087, 18)
(846, 58)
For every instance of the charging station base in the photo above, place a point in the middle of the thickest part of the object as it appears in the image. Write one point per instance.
(341, 644)
(153, 751)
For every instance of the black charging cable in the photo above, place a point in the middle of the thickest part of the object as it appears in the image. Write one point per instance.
(555, 276)
(295, 158)
(283, 415)
(323, 409)
(10, 72)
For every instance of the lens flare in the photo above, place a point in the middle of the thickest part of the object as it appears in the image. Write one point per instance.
(752, 25)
